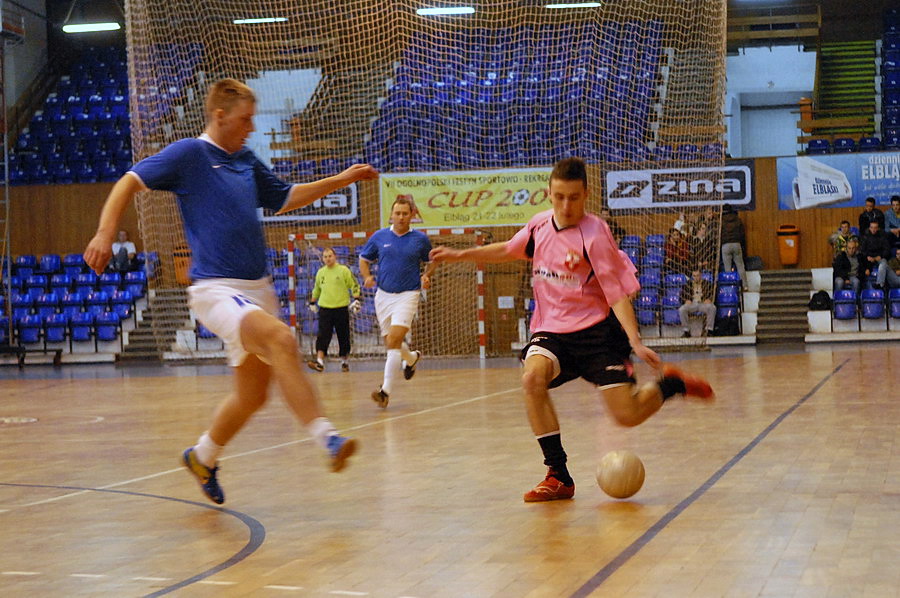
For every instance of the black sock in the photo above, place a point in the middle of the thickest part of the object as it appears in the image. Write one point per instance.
(555, 458)
(670, 386)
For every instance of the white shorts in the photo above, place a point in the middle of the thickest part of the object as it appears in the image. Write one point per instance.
(221, 304)
(395, 309)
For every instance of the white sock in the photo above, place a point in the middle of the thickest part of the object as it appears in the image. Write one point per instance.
(321, 361)
(408, 356)
(207, 451)
(391, 369)
(320, 429)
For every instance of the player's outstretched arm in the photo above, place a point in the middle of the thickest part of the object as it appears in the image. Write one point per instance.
(99, 249)
(305, 194)
(625, 314)
(494, 253)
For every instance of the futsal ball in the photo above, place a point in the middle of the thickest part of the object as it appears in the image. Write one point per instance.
(620, 474)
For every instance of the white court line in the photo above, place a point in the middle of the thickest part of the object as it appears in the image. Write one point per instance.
(288, 588)
(272, 447)
(346, 593)
(19, 573)
(210, 582)
(151, 579)
(87, 575)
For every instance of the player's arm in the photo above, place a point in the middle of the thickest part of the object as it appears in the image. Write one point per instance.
(304, 194)
(625, 314)
(495, 253)
(368, 279)
(99, 249)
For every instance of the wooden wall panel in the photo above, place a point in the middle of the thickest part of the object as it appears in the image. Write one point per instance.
(60, 218)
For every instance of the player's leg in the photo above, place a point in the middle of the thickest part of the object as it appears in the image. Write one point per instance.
(395, 315)
(342, 328)
(540, 368)
(266, 336)
(709, 311)
(684, 312)
(394, 362)
(631, 407)
(250, 393)
(323, 339)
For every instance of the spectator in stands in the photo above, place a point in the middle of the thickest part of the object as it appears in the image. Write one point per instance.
(678, 253)
(231, 292)
(838, 239)
(331, 298)
(892, 274)
(617, 231)
(876, 250)
(697, 298)
(123, 254)
(892, 221)
(732, 240)
(869, 214)
(849, 267)
(704, 253)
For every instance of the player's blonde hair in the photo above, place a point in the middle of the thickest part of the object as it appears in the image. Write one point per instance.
(225, 94)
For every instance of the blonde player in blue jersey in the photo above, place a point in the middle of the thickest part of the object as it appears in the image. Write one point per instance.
(219, 184)
(400, 252)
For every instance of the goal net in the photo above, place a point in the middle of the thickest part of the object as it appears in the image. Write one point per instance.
(635, 87)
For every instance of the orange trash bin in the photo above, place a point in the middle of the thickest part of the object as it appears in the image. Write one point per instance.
(789, 244)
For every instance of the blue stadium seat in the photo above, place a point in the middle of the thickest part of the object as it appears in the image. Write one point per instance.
(872, 303)
(107, 326)
(670, 304)
(4, 330)
(97, 302)
(29, 328)
(24, 265)
(60, 284)
(656, 240)
(818, 146)
(649, 280)
(72, 303)
(647, 308)
(73, 264)
(688, 152)
(122, 303)
(136, 283)
(894, 302)
(46, 304)
(85, 282)
(844, 305)
(55, 327)
(81, 327)
(49, 264)
(109, 282)
(843, 145)
(869, 144)
(727, 297)
(35, 285)
(631, 241)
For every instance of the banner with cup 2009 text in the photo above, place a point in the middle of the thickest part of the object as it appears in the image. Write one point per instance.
(477, 198)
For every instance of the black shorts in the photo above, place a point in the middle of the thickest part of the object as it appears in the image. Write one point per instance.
(600, 354)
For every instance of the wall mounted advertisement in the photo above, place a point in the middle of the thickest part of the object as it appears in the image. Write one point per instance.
(837, 180)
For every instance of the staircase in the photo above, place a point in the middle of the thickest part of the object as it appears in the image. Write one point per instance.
(166, 312)
(783, 303)
(845, 92)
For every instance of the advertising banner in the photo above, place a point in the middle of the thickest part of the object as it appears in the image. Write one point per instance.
(340, 207)
(477, 198)
(837, 180)
(682, 187)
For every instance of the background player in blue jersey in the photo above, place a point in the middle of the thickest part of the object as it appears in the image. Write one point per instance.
(219, 184)
(400, 253)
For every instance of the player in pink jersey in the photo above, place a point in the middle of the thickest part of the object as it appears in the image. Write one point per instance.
(583, 324)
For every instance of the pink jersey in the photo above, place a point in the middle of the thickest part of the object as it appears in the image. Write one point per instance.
(577, 272)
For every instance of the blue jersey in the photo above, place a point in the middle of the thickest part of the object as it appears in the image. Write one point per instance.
(218, 195)
(399, 258)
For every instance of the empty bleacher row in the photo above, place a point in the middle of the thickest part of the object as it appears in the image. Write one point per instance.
(890, 79)
(56, 298)
(871, 304)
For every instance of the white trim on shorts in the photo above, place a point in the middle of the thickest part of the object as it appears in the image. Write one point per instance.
(221, 304)
(537, 350)
(395, 309)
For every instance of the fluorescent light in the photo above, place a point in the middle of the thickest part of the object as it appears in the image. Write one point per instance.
(262, 20)
(446, 10)
(87, 27)
(576, 5)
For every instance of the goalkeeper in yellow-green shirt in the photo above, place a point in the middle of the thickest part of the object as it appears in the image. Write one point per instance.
(331, 299)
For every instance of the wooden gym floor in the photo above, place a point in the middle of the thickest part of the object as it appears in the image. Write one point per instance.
(789, 485)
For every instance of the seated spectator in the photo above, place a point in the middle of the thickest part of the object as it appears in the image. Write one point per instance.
(869, 214)
(678, 253)
(838, 239)
(123, 254)
(892, 221)
(615, 228)
(876, 251)
(704, 249)
(849, 268)
(892, 272)
(697, 298)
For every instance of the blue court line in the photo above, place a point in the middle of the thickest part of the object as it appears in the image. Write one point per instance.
(257, 531)
(594, 582)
